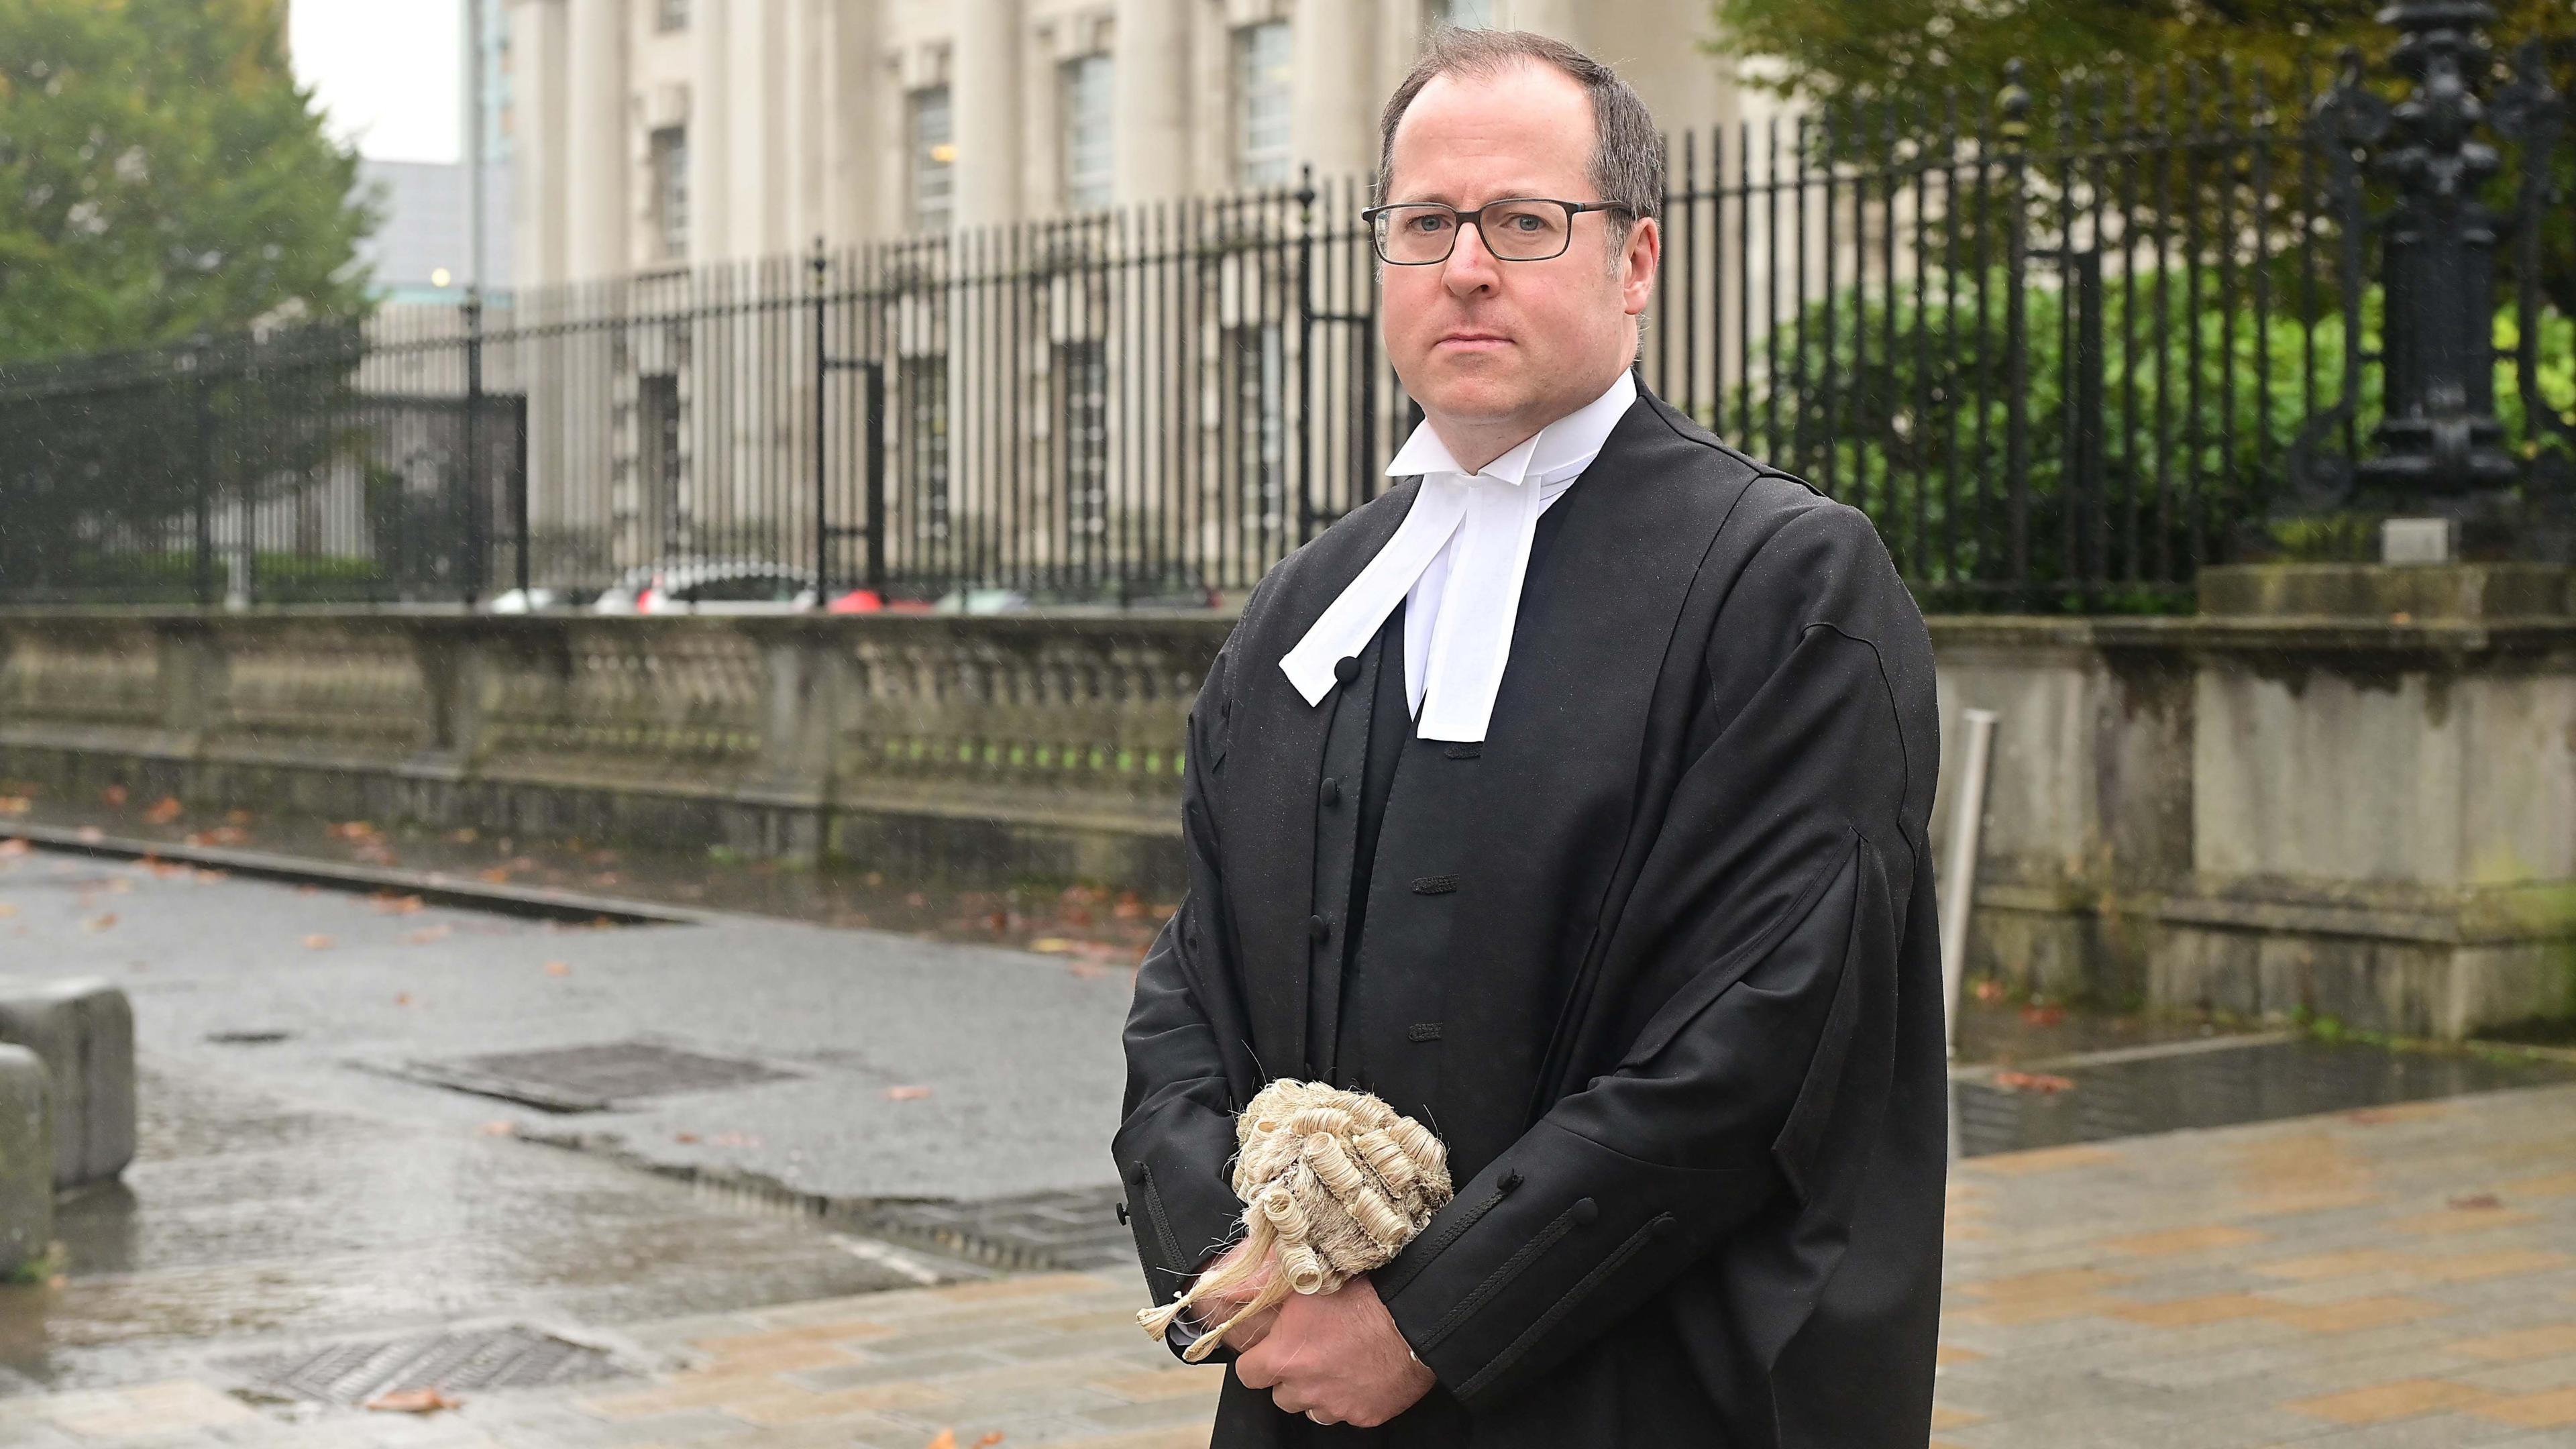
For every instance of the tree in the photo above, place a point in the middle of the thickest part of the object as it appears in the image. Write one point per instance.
(161, 174)
(1879, 49)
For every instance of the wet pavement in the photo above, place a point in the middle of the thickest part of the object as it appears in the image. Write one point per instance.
(368, 1116)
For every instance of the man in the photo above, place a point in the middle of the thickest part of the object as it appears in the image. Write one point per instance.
(1571, 797)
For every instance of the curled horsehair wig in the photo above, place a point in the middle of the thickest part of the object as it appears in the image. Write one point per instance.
(1334, 1184)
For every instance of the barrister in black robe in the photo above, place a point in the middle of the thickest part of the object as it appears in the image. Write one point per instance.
(1655, 957)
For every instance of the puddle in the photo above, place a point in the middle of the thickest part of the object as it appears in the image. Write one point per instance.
(2261, 1081)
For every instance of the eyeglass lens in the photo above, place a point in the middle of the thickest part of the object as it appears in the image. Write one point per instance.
(1519, 231)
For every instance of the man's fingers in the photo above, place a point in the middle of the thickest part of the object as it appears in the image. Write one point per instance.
(1249, 1333)
(1257, 1370)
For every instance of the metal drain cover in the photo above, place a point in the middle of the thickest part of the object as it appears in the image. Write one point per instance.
(510, 1357)
(594, 1078)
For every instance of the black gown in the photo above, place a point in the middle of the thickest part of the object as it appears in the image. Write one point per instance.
(1674, 1004)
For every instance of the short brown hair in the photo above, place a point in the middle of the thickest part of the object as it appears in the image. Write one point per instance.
(1627, 150)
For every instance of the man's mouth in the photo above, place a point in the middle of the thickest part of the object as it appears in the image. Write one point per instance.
(1474, 340)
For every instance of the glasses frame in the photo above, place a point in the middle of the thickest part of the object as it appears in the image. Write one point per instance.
(1573, 209)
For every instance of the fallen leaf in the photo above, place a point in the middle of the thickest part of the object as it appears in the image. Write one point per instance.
(944, 1439)
(7, 910)
(163, 811)
(1089, 970)
(354, 830)
(2040, 1082)
(90, 834)
(906, 1094)
(990, 1439)
(1129, 907)
(212, 877)
(497, 875)
(389, 904)
(13, 847)
(1051, 944)
(402, 998)
(317, 942)
(465, 836)
(428, 935)
(112, 796)
(238, 817)
(1989, 989)
(100, 923)
(120, 887)
(413, 1401)
(15, 805)
(500, 1129)
(220, 835)
(2478, 1201)
(558, 968)
(684, 1138)
(2038, 1015)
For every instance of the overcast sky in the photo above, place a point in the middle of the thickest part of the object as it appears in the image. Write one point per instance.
(386, 72)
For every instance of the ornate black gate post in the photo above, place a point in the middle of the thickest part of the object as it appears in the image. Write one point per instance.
(2440, 435)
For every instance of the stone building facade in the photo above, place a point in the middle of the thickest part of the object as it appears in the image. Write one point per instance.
(659, 134)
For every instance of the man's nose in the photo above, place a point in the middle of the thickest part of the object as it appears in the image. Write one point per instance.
(1470, 268)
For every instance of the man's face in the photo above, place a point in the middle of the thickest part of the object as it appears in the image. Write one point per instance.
(1507, 347)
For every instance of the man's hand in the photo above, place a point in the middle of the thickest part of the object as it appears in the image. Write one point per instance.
(1336, 1358)
(1216, 1308)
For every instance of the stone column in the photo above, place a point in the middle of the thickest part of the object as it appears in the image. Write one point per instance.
(1149, 125)
(850, 204)
(710, 131)
(596, 144)
(1560, 19)
(537, 80)
(986, 106)
(756, 189)
(1327, 89)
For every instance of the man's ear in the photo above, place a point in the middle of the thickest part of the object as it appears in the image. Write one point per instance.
(1637, 263)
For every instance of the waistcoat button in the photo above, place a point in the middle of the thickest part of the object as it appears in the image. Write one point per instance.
(1347, 668)
(1585, 1210)
(1318, 928)
(1332, 791)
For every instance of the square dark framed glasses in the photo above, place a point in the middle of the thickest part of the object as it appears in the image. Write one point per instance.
(1514, 229)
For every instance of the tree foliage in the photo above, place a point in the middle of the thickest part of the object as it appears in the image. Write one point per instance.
(161, 174)
(1870, 49)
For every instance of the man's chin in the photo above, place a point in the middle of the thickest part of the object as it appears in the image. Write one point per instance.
(1473, 399)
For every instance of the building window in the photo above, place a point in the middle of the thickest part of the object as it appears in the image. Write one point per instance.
(1082, 411)
(671, 15)
(1261, 63)
(1086, 133)
(1257, 355)
(921, 383)
(934, 160)
(671, 191)
(658, 400)
(1461, 14)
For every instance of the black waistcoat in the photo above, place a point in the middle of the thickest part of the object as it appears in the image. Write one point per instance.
(1392, 834)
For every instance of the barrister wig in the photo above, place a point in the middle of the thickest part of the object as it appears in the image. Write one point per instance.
(1334, 1184)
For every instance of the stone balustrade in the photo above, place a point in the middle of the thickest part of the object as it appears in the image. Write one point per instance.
(2372, 818)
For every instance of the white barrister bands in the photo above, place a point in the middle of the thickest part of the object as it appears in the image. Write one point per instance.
(1334, 1184)
(1460, 556)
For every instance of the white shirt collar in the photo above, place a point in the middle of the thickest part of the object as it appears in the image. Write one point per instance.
(1559, 450)
(1484, 532)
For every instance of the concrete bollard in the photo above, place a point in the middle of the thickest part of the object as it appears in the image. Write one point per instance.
(26, 1161)
(83, 1032)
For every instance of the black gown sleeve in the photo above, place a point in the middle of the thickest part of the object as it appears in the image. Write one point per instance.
(1175, 1143)
(1764, 925)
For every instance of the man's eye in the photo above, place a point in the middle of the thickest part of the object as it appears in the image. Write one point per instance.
(1432, 222)
(1525, 221)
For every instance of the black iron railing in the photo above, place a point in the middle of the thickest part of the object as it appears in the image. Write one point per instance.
(2064, 345)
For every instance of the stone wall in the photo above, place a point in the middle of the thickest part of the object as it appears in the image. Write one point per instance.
(2373, 820)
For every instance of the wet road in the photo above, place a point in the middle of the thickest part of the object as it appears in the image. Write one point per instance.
(290, 1188)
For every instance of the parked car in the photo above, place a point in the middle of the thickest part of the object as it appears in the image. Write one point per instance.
(733, 586)
(533, 601)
